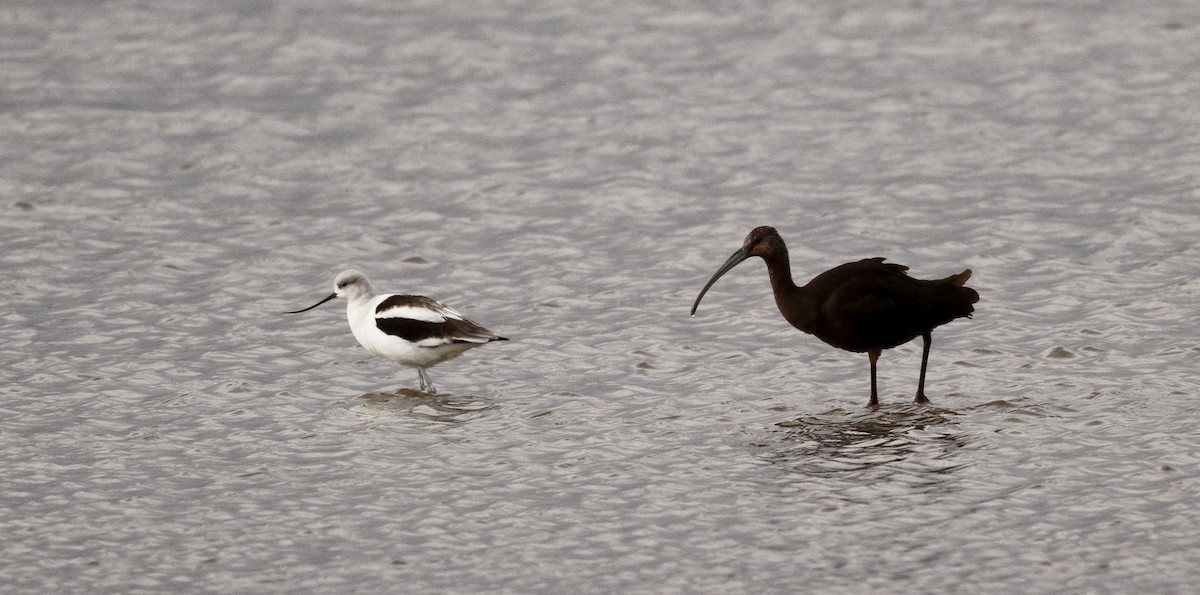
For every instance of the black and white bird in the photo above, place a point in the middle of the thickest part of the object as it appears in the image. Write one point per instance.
(411, 330)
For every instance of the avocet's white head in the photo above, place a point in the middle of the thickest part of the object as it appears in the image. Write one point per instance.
(349, 285)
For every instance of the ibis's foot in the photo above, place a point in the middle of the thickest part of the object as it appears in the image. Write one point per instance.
(922, 399)
(873, 403)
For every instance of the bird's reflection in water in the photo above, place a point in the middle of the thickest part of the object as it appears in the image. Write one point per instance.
(914, 442)
(414, 403)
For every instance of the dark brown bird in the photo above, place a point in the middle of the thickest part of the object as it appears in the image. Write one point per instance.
(867, 305)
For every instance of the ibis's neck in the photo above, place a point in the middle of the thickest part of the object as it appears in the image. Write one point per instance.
(788, 297)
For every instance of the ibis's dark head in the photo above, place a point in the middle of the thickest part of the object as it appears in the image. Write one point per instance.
(761, 241)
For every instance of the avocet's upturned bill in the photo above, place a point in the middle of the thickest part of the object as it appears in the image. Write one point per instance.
(411, 330)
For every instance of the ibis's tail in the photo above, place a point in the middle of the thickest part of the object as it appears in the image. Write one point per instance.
(963, 296)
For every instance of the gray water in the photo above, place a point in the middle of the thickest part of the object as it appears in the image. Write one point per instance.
(174, 176)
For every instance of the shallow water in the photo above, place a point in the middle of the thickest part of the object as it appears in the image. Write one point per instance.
(570, 174)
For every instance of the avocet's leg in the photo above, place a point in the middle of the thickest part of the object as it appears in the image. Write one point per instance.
(426, 382)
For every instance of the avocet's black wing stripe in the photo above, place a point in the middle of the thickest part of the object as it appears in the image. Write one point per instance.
(433, 334)
(427, 323)
(430, 334)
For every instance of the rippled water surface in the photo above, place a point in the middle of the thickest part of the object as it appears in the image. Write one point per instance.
(173, 176)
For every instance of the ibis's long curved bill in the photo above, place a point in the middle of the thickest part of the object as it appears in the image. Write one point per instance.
(331, 296)
(736, 259)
